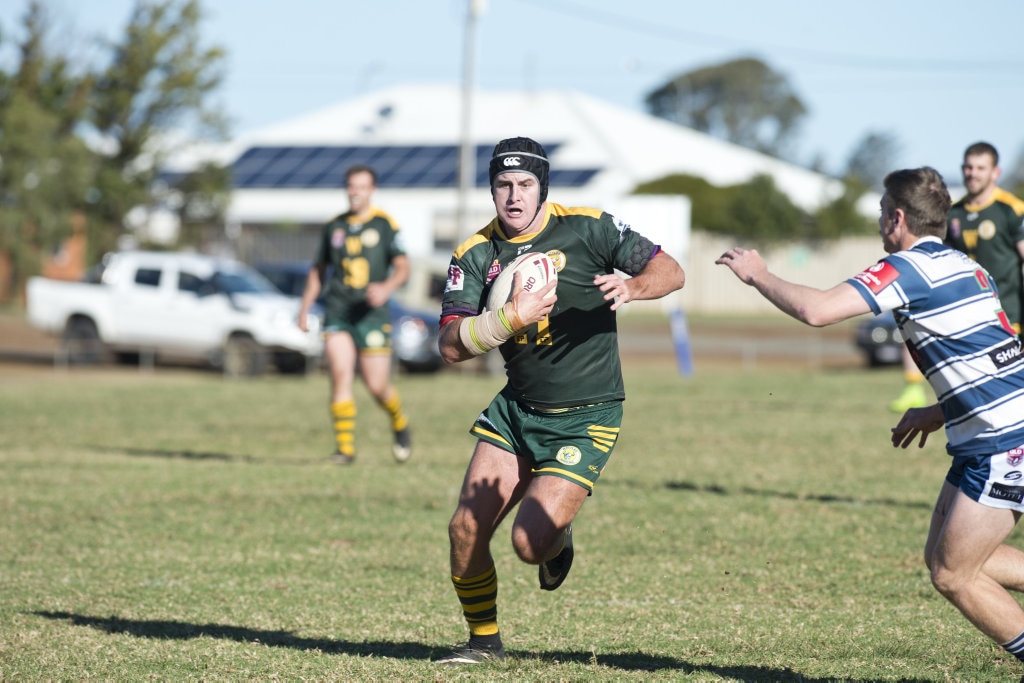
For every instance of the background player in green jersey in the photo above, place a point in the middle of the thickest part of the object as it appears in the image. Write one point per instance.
(360, 253)
(987, 224)
(544, 439)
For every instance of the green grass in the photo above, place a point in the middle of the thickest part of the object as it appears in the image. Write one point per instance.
(751, 526)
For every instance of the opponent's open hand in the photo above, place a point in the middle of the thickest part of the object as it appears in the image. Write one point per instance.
(746, 263)
(916, 421)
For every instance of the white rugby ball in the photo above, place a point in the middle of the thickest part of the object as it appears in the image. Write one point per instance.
(536, 269)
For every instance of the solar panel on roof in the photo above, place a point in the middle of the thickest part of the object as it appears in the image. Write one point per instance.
(397, 166)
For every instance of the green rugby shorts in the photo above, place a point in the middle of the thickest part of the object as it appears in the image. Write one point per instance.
(572, 443)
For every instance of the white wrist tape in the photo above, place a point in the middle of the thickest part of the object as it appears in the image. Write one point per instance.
(490, 329)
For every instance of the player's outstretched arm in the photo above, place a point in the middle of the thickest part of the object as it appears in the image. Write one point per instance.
(815, 307)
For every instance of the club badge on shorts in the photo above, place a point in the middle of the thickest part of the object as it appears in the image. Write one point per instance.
(568, 455)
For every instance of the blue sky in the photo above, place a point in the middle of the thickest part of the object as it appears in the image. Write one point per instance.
(937, 75)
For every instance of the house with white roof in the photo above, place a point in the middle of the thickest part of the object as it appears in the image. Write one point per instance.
(288, 178)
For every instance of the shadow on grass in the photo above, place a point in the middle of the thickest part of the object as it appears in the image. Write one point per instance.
(789, 495)
(171, 453)
(632, 661)
(178, 630)
(186, 454)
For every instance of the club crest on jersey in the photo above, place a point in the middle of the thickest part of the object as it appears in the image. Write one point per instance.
(493, 272)
(371, 238)
(568, 455)
(557, 258)
(986, 230)
(878, 277)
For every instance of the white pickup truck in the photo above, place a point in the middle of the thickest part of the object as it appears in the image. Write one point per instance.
(175, 305)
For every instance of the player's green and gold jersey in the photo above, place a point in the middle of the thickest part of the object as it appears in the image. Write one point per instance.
(989, 234)
(571, 358)
(356, 255)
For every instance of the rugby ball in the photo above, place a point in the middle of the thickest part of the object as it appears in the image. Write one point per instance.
(536, 269)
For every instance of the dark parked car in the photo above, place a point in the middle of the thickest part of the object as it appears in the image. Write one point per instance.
(414, 332)
(880, 340)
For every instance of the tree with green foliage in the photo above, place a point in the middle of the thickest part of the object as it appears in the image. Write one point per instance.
(155, 88)
(871, 159)
(79, 140)
(743, 101)
(758, 210)
(45, 169)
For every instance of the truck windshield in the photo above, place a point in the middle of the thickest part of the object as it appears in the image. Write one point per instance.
(243, 282)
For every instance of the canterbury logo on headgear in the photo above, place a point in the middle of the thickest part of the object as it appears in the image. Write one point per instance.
(515, 161)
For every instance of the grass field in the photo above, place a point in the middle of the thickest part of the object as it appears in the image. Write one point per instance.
(172, 525)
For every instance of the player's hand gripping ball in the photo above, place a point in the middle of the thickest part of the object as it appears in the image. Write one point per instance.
(535, 269)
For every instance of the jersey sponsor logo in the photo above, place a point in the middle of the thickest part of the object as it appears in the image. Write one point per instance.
(1014, 456)
(337, 238)
(1013, 476)
(986, 229)
(523, 249)
(1008, 353)
(879, 276)
(512, 161)
(455, 279)
(1014, 494)
(558, 258)
(568, 455)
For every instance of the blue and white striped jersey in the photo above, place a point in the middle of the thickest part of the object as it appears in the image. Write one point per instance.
(948, 310)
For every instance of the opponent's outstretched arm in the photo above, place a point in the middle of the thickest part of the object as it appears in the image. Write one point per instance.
(816, 307)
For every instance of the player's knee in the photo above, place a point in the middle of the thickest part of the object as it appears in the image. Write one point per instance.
(946, 581)
(529, 547)
(463, 528)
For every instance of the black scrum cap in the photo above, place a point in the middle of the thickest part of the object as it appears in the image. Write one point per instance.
(521, 154)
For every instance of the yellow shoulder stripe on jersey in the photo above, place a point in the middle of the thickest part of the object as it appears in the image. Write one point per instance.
(560, 210)
(1012, 201)
(377, 212)
(479, 237)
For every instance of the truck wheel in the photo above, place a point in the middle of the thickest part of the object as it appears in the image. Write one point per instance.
(290, 363)
(244, 357)
(80, 344)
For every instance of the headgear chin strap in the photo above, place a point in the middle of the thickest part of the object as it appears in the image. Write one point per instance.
(523, 155)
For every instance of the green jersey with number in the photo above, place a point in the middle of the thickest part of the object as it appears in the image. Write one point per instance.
(356, 254)
(571, 358)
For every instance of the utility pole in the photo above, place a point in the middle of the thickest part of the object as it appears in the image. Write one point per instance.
(467, 150)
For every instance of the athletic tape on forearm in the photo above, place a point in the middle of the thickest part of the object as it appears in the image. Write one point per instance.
(490, 329)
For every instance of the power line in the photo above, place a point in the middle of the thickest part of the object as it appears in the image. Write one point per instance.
(651, 29)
